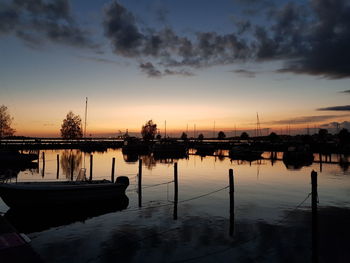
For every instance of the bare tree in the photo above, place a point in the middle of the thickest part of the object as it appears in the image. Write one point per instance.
(5, 122)
(149, 130)
(71, 127)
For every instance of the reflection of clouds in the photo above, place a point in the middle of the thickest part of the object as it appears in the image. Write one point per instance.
(66, 162)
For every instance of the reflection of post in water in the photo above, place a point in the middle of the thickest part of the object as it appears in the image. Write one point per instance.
(232, 203)
(140, 183)
(314, 198)
(176, 189)
(43, 170)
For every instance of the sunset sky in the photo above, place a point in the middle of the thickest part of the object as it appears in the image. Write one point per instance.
(189, 62)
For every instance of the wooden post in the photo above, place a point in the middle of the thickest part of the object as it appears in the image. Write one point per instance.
(320, 157)
(314, 197)
(58, 165)
(71, 167)
(112, 175)
(140, 183)
(43, 170)
(91, 161)
(176, 190)
(232, 202)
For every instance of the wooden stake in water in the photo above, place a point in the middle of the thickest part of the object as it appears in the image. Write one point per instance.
(314, 197)
(112, 174)
(140, 183)
(176, 190)
(91, 161)
(232, 202)
(58, 165)
(43, 170)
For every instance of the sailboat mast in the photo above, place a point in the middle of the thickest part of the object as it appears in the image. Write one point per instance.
(85, 117)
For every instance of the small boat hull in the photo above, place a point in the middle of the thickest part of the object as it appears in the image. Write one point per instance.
(60, 194)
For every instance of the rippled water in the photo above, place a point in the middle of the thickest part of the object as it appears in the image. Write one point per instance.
(268, 225)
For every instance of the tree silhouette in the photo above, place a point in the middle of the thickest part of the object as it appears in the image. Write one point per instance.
(201, 137)
(149, 130)
(5, 122)
(71, 127)
(244, 136)
(221, 135)
(183, 136)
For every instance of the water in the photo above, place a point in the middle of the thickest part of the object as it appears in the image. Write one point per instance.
(268, 225)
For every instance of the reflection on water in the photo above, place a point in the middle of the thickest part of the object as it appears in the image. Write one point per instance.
(268, 224)
(71, 161)
(30, 220)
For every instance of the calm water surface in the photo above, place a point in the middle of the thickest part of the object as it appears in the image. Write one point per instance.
(271, 224)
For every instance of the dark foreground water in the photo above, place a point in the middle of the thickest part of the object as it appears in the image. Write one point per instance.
(271, 221)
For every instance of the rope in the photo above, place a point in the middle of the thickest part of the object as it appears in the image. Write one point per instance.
(200, 196)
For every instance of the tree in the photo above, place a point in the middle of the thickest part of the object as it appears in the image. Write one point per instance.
(244, 136)
(201, 137)
(344, 136)
(5, 122)
(273, 137)
(184, 136)
(71, 127)
(149, 130)
(221, 135)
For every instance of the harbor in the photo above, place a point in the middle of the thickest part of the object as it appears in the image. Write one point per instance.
(269, 205)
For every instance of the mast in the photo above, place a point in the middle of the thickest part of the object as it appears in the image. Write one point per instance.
(85, 117)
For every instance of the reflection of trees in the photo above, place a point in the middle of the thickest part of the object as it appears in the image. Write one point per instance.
(148, 161)
(344, 162)
(66, 162)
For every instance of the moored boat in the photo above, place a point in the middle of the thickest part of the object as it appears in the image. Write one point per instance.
(245, 152)
(62, 194)
(15, 157)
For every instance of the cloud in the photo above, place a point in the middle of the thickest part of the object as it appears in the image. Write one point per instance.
(153, 72)
(336, 108)
(36, 21)
(305, 119)
(345, 91)
(245, 73)
(310, 38)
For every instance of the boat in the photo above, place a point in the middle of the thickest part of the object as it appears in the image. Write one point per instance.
(245, 152)
(15, 157)
(169, 148)
(133, 145)
(60, 194)
(204, 149)
(298, 156)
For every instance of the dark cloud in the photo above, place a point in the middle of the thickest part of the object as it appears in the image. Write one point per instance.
(305, 119)
(345, 91)
(150, 70)
(245, 73)
(153, 72)
(35, 21)
(311, 38)
(336, 126)
(336, 108)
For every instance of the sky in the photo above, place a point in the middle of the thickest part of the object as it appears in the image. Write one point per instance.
(193, 63)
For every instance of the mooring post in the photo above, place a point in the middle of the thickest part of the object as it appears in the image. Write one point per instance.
(320, 157)
(176, 191)
(91, 161)
(43, 170)
(232, 202)
(314, 197)
(140, 183)
(58, 165)
(71, 167)
(113, 164)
